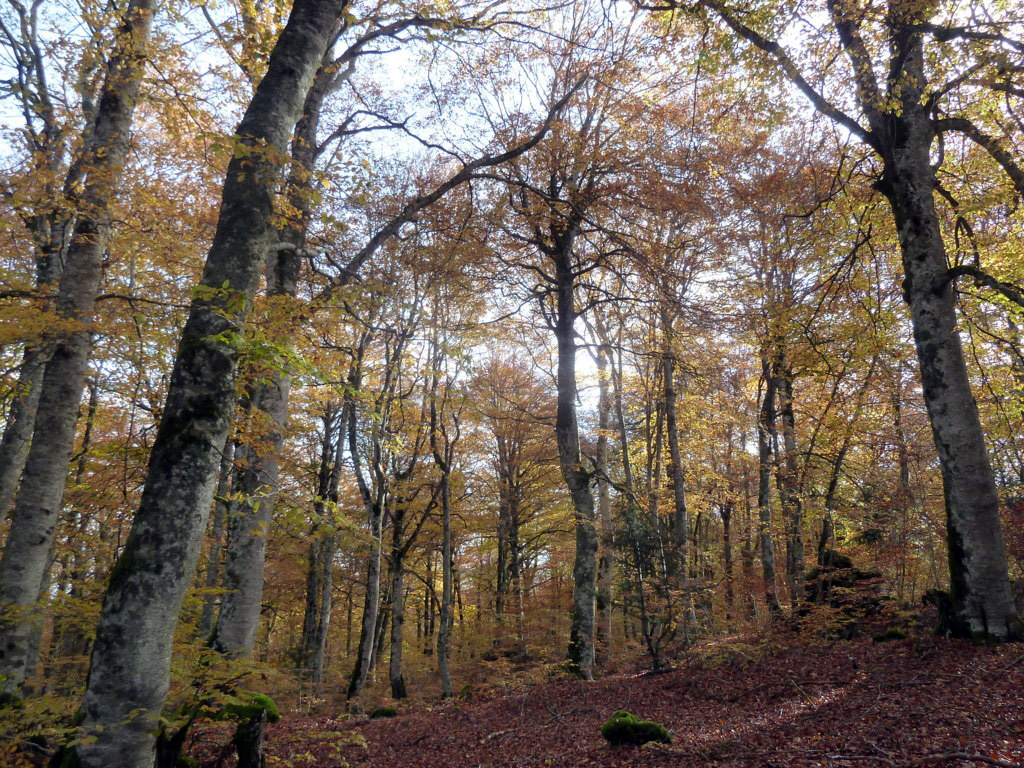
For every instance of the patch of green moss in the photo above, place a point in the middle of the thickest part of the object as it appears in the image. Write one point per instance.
(383, 712)
(184, 761)
(892, 633)
(249, 707)
(626, 728)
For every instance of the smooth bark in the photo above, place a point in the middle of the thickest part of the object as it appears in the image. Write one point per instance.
(214, 552)
(765, 433)
(129, 673)
(257, 481)
(42, 486)
(570, 457)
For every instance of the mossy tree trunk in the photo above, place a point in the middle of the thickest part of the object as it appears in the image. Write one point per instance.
(130, 667)
(37, 505)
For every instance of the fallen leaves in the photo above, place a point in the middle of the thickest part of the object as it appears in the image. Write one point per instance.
(919, 703)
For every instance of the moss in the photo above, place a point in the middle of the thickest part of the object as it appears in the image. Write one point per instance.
(383, 712)
(892, 633)
(184, 761)
(249, 706)
(625, 728)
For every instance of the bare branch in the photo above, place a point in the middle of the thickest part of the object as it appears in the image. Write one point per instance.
(416, 205)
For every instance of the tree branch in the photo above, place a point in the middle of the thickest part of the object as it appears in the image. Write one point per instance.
(981, 277)
(416, 205)
(989, 143)
(791, 71)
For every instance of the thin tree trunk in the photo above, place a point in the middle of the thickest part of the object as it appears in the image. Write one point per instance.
(129, 674)
(604, 509)
(765, 431)
(395, 676)
(21, 419)
(213, 554)
(42, 486)
(447, 588)
(787, 479)
(371, 599)
(257, 477)
(828, 521)
(679, 519)
(577, 478)
(730, 592)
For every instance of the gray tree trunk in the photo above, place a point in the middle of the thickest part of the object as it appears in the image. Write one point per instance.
(447, 588)
(679, 519)
(130, 667)
(603, 635)
(577, 478)
(397, 566)
(320, 575)
(787, 479)
(21, 419)
(765, 432)
(211, 579)
(256, 486)
(257, 478)
(977, 555)
(373, 503)
(42, 485)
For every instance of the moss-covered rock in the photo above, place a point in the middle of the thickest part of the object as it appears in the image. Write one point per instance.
(626, 728)
(383, 712)
(248, 706)
(892, 633)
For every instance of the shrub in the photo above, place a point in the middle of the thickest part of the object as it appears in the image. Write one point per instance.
(625, 728)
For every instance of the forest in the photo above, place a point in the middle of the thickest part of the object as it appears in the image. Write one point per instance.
(511, 383)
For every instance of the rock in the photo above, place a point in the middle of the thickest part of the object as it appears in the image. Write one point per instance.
(625, 728)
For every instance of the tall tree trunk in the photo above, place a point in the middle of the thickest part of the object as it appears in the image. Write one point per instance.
(21, 419)
(50, 231)
(577, 478)
(129, 674)
(371, 599)
(397, 566)
(256, 481)
(977, 556)
(765, 432)
(447, 588)
(42, 485)
(726, 511)
(213, 553)
(787, 478)
(828, 521)
(679, 519)
(604, 508)
(322, 544)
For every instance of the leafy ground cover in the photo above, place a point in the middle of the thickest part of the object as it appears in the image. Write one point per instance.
(907, 702)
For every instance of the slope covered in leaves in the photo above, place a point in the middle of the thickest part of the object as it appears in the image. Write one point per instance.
(914, 702)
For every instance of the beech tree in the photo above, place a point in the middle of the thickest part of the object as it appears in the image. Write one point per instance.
(900, 118)
(23, 566)
(129, 668)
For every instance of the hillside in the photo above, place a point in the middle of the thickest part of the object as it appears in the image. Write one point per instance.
(914, 702)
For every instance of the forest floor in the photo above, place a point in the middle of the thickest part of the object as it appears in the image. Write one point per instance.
(740, 701)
